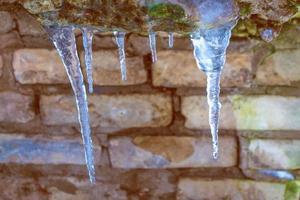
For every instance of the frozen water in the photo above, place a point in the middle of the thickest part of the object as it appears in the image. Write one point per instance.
(87, 35)
(279, 174)
(120, 40)
(64, 41)
(152, 43)
(210, 53)
(267, 34)
(171, 40)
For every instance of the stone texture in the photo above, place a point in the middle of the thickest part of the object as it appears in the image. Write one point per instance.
(38, 150)
(15, 107)
(106, 69)
(6, 22)
(179, 69)
(245, 112)
(110, 111)
(33, 66)
(275, 154)
(170, 152)
(281, 68)
(28, 25)
(201, 189)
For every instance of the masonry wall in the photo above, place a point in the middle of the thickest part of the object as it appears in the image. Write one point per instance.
(151, 132)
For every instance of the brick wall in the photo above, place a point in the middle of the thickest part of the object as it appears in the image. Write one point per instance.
(151, 132)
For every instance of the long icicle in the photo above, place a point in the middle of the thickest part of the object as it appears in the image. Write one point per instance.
(152, 43)
(65, 43)
(87, 35)
(171, 40)
(120, 40)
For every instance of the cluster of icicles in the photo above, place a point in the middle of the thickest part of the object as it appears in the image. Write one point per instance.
(209, 51)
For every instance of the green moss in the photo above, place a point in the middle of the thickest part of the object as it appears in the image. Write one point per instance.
(166, 11)
(292, 190)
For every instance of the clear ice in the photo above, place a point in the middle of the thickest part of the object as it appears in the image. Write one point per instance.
(171, 40)
(279, 174)
(65, 43)
(210, 53)
(152, 43)
(87, 35)
(120, 40)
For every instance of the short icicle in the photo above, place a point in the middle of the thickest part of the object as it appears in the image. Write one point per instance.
(87, 35)
(120, 40)
(171, 40)
(64, 41)
(152, 44)
(210, 53)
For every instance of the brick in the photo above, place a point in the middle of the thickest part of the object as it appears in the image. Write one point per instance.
(10, 40)
(170, 152)
(275, 154)
(111, 111)
(38, 150)
(192, 189)
(1, 65)
(245, 112)
(106, 69)
(33, 66)
(282, 68)
(16, 107)
(179, 69)
(28, 25)
(6, 22)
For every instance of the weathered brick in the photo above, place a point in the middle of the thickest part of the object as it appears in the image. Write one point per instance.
(6, 22)
(179, 69)
(15, 107)
(106, 69)
(38, 150)
(1, 65)
(275, 154)
(170, 152)
(192, 189)
(245, 112)
(10, 40)
(28, 25)
(111, 111)
(282, 68)
(33, 66)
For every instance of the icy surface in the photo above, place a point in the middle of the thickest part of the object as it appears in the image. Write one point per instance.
(87, 35)
(171, 40)
(120, 40)
(64, 41)
(267, 34)
(152, 43)
(210, 53)
(279, 174)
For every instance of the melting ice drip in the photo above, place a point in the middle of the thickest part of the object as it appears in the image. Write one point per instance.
(152, 44)
(65, 43)
(120, 40)
(210, 53)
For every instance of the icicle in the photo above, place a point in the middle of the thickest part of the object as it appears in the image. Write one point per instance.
(152, 43)
(210, 51)
(64, 41)
(279, 174)
(120, 40)
(171, 40)
(87, 35)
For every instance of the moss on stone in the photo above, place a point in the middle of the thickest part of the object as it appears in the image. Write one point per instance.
(292, 190)
(166, 11)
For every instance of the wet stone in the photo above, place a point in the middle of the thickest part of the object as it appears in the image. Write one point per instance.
(38, 150)
(179, 69)
(106, 69)
(15, 107)
(245, 112)
(110, 111)
(190, 189)
(281, 68)
(275, 154)
(10, 40)
(6, 22)
(43, 66)
(28, 25)
(170, 152)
